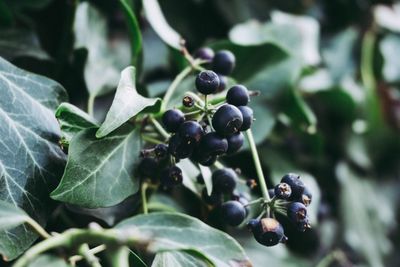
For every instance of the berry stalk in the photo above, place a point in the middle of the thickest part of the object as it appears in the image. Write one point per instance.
(257, 163)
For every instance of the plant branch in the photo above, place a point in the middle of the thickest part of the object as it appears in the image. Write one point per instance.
(90, 258)
(159, 127)
(90, 105)
(94, 251)
(144, 198)
(257, 163)
(37, 227)
(120, 257)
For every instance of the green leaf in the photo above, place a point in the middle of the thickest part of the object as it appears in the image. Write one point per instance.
(31, 161)
(15, 43)
(134, 31)
(207, 175)
(177, 259)
(189, 173)
(366, 215)
(48, 260)
(162, 202)
(72, 120)
(172, 231)
(10, 215)
(101, 72)
(127, 103)
(99, 171)
(160, 25)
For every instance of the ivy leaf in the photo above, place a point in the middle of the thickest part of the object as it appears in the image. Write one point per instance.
(99, 171)
(47, 260)
(172, 231)
(207, 175)
(127, 103)
(101, 72)
(31, 160)
(72, 120)
(177, 259)
(160, 25)
(10, 215)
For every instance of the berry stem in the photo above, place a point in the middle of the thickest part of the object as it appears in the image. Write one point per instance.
(90, 258)
(151, 139)
(144, 198)
(159, 128)
(120, 257)
(74, 259)
(90, 104)
(38, 228)
(257, 163)
(218, 165)
(178, 79)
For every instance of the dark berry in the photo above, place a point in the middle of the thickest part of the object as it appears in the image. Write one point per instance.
(180, 148)
(172, 119)
(188, 101)
(233, 213)
(235, 142)
(214, 199)
(306, 197)
(227, 120)
(171, 176)
(223, 82)
(248, 117)
(191, 131)
(297, 214)
(271, 193)
(238, 95)
(267, 231)
(295, 183)
(223, 62)
(161, 150)
(282, 191)
(213, 144)
(207, 82)
(203, 158)
(205, 53)
(147, 167)
(224, 180)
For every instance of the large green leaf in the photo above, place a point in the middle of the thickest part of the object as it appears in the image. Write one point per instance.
(99, 172)
(127, 103)
(160, 25)
(31, 162)
(101, 72)
(10, 215)
(177, 259)
(72, 120)
(172, 231)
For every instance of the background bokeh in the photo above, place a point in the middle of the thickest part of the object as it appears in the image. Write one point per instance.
(329, 76)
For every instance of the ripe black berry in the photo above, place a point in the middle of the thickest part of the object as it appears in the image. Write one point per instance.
(214, 199)
(227, 120)
(297, 214)
(207, 82)
(238, 95)
(213, 144)
(224, 180)
(268, 232)
(248, 117)
(161, 150)
(171, 176)
(306, 197)
(233, 212)
(205, 53)
(179, 148)
(191, 131)
(172, 119)
(295, 183)
(235, 142)
(223, 81)
(203, 158)
(188, 101)
(223, 62)
(147, 167)
(282, 191)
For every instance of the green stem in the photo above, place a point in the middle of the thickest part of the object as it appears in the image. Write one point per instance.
(90, 258)
(90, 105)
(336, 255)
(257, 163)
(120, 257)
(218, 165)
(38, 228)
(159, 128)
(178, 79)
(144, 198)
(93, 251)
(151, 139)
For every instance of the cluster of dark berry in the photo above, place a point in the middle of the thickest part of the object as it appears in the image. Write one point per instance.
(203, 131)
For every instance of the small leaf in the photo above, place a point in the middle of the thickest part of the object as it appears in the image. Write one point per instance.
(101, 72)
(127, 103)
(10, 216)
(172, 231)
(31, 161)
(99, 171)
(177, 259)
(160, 25)
(48, 260)
(72, 120)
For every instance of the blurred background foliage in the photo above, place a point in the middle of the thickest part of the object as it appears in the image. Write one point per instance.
(329, 76)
